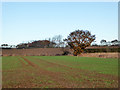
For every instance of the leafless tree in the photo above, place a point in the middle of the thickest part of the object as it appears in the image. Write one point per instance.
(78, 40)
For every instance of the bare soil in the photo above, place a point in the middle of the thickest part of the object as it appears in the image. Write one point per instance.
(101, 55)
(34, 76)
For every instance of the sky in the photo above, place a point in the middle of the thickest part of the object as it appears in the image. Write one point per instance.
(26, 21)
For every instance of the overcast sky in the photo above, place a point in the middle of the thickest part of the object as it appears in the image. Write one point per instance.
(25, 21)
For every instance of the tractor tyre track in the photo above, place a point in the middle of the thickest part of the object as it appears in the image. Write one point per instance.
(58, 77)
(89, 74)
(75, 70)
(29, 62)
(23, 63)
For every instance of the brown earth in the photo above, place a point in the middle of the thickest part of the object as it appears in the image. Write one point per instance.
(101, 55)
(28, 77)
(52, 52)
(32, 52)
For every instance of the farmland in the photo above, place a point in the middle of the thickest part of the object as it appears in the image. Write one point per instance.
(59, 72)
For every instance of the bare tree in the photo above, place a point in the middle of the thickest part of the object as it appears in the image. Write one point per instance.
(58, 40)
(79, 40)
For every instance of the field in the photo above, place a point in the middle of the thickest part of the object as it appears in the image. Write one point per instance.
(59, 72)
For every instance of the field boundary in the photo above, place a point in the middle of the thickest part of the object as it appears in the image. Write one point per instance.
(100, 55)
(53, 52)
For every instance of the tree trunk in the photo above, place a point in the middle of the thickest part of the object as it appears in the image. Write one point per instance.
(75, 53)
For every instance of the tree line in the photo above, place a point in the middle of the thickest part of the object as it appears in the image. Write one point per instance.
(77, 40)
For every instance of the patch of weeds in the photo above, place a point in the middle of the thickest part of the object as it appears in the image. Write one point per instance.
(113, 81)
(57, 69)
(93, 79)
(100, 72)
(40, 82)
(10, 82)
(50, 81)
(108, 82)
(45, 80)
(75, 79)
(32, 74)
(85, 77)
(6, 82)
(46, 87)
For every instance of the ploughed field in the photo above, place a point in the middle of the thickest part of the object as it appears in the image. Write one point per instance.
(59, 72)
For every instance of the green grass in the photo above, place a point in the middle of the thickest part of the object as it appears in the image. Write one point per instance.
(10, 63)
(100, 65)
(50, 71)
